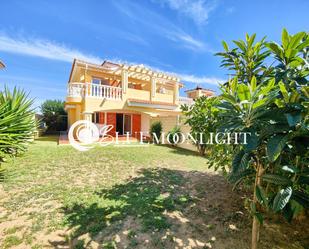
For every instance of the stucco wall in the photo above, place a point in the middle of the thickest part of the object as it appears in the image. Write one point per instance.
(168, 123)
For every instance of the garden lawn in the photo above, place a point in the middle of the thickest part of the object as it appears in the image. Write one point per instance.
(126, 197)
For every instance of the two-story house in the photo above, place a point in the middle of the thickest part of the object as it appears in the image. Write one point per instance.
(129, 97)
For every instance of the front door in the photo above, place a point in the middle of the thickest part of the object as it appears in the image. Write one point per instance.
(123, 123)
(127, 123)
(119, 123)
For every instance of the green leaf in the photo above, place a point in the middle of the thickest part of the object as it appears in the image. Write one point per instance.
(261, 195)
(252, 142)
(275, 48)
(285, 38)
(281, 199)
(301, 198)
(293, 118)
(276, 179)
(225, 46)
(259, 217)
(275, 145)
(237, 160)
(284, 92)
(303, 180)
(243, 92)
(290, 169)
(253, 84)
(236, 177)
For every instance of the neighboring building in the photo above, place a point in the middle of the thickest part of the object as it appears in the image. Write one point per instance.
(129, 97)
(198, 92)
(2, 65)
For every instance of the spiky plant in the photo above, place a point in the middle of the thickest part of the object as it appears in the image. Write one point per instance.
(17, 122)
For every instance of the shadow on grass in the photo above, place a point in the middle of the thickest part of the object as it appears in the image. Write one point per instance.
(146, 198)
(181, 151)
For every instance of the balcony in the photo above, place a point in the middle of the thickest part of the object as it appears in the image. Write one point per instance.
(81, 90)
(76, 91)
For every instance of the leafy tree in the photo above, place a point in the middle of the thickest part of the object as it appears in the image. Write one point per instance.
(156, 128)
(54, 115)
(202, 119)
(274, 108)
(246, 60)
(17, 123)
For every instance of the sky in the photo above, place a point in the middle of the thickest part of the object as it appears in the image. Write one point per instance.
(39, 39)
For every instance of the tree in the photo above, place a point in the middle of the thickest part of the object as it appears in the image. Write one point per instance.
(17, 123)
(202, 119)
(273, 107)
(54, 115)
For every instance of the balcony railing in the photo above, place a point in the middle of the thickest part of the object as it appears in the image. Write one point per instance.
(185, 101)
(93, 90)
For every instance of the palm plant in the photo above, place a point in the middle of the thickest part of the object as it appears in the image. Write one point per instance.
(17, 122)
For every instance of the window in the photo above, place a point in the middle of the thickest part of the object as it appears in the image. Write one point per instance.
(96, 81)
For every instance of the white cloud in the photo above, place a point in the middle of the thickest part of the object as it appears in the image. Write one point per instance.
(49, 50)
(188, 41)
(161, 26)
(201, 79)
(197, 10)
(42, 48)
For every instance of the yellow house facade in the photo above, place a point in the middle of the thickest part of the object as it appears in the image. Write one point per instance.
(129, 97)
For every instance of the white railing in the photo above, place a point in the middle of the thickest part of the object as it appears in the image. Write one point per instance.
(185, 101)
(93, 90)
(76, 90)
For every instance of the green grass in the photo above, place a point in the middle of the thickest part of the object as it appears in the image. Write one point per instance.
(124, 197)
(97, 188)
(11, 241)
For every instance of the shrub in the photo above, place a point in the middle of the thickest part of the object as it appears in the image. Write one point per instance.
(17, 122)
(172, 135)
(156, 128)
(54, 115)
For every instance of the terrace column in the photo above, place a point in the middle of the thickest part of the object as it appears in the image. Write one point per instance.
(124, 80)
(88, 116)
(176, 93)
(153, 88)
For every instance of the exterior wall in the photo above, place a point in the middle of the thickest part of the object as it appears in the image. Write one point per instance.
(187, 144)
(145, 123)
(168, 123)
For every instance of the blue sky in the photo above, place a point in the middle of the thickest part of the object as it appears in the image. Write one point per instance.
(39, 39)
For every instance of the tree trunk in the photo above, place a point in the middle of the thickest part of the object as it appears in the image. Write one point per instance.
(256, 223)
(201, 149)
